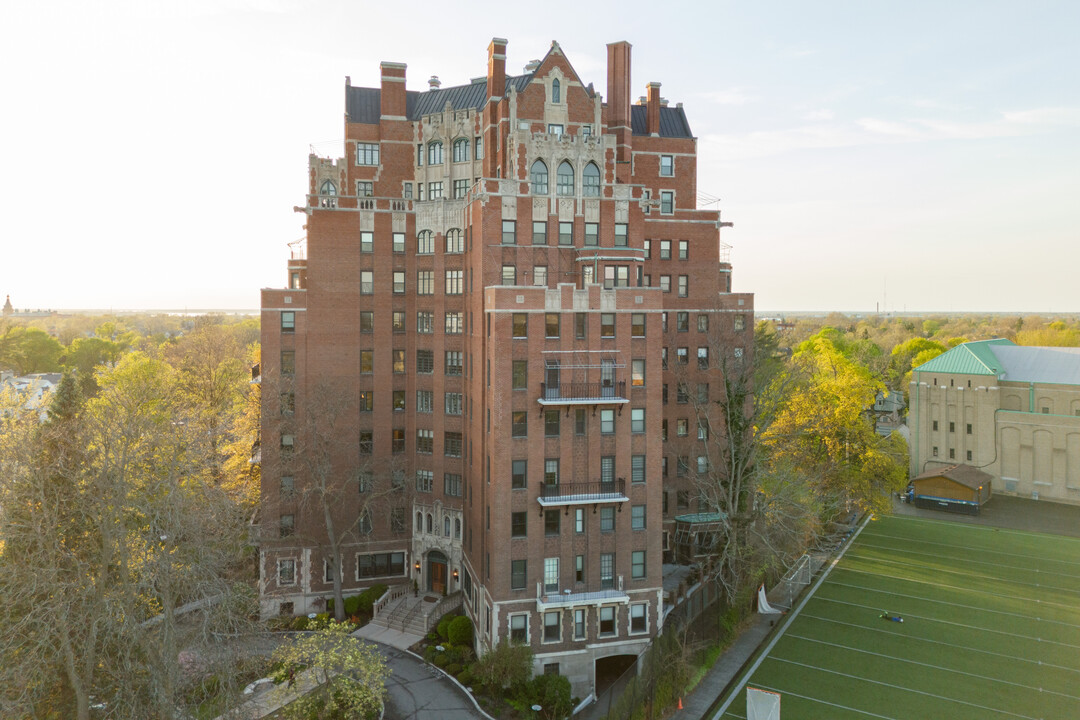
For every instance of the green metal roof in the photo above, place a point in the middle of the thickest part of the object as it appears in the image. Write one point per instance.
(970, 358)
(700, 517)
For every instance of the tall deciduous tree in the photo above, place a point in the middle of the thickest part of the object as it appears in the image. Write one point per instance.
(110, 524)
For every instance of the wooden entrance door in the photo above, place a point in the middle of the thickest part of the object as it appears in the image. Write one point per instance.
(438, 577)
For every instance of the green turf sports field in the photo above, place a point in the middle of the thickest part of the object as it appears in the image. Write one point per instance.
(991, 629)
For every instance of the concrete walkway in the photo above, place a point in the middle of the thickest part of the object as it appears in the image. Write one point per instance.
(386, 636)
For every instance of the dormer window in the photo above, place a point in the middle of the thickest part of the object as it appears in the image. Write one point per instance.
(555, 91)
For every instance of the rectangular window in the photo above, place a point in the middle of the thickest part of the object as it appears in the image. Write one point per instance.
(579, 624)
(518, 527)
(551, 521)
(703, 323)
(551, 574)
(580, 325)
(606, 616)
(682, 355)
(703, 358)
(286, 572)
(367, 153)
(682, 427)
(667, 202)
(509, 275)
(380, 565)
(592, 233)
(452, 403)
(509, 232)
(682, 322)
(518, 474)
(367, 282)
(517, 574)
(566, 233)
(539, 232)
(638, 617)
(453, 362)
(454, 282)
(288, 367)
(520, 325)
(607, 519)
(637, 468)
(551, 471)
(637, 372)
(397, 321)
(399, 242)
(366, 361)
(637, 420)
(540, 275)
(684, 285)
(452, 444)
(399, 400)
(452, 484)
(551, 325)
(637, 564)
(607, 422)
(399, 282)
(969, 431)
(665, 283)
(607, 325)
(519, 424)
(684, 250)
(397, 358)
(434, 190)
(425, 321)
(665, 249)
(579, 527)
(454, 323)
(952, 426)
(703, 392)
(460, 188)
(424, 480)
(519, 632)
(285, 525)
(424, 441)
(288, 487)
(519, 375)
(667, 165)
(288, 321)
(397, 440)
(579, 421)
(552, 626)
(621, 234)
(365, 189)
(425, 282)
(365, 442)
(607, 571)
(551, 423)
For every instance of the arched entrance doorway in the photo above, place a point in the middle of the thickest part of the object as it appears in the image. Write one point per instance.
(613, 673)
(436, 572)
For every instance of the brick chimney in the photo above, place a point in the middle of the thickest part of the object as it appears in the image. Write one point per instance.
(618, 106)
(618, 84)
(496, 76)
(392, 95)
(652, 114)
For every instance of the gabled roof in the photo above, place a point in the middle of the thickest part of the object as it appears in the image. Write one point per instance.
(672, 121)
(970, 358)
(362, 105)
(966, 475)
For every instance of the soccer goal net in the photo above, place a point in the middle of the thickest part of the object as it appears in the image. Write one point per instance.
(762, 704)
(795, 579)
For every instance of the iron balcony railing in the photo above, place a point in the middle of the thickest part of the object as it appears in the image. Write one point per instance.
(583, 493)
(583, 392)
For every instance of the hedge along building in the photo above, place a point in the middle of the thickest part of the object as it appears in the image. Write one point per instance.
(494, 276)
(1011, 411)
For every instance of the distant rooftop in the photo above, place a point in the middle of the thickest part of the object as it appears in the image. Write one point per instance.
(1008, 361)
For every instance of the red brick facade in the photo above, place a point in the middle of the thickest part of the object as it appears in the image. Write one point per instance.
(492, 339)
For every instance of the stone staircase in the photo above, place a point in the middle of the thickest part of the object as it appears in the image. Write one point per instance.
(415, 614)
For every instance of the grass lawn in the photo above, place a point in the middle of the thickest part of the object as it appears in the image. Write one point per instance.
(991, 629)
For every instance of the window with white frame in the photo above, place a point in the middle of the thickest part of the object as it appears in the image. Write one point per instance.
(667, 165)
(579, 624)
(607, 571)
(367, 242)
(365, 188)
(519, 628)
(606, 621)
(551, 575)
(607, 422)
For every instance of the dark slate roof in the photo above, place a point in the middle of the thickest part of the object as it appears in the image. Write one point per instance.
(672, 121)
(362, 104)
(965, 475)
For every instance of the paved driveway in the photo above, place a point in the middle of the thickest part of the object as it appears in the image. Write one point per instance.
(416, 691)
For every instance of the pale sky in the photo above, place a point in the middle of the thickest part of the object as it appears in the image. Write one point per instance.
(921, 155)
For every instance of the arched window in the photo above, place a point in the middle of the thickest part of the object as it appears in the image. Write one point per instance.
(328, 188)
(446, 526)
(461, 150)
(590, 181)
(565, 179)
(555, 91)
(434, 153)
(539, 177)
(419, 522)
(429, 524)
(425, 242)
(454, 242)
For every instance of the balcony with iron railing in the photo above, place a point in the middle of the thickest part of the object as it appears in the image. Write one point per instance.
(583, 493)
(577, 598)
(605, 392)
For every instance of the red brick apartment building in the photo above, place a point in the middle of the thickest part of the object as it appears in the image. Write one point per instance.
(502, 280)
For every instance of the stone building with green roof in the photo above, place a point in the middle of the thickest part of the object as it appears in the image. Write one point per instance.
(1011, 411)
